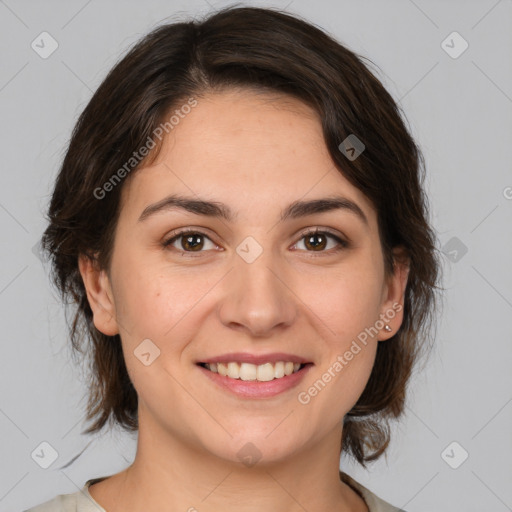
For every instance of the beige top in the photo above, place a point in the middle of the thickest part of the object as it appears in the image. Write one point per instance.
(82, 501)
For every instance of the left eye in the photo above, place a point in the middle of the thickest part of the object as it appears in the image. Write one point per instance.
(311, 236)
(191, 241)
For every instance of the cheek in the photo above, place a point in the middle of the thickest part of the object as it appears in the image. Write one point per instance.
(346, 303)
(347, 307)
(159, 304)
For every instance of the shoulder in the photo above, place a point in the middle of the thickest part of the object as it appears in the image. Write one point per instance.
(61, 503)
(374, 503)
(80, 501)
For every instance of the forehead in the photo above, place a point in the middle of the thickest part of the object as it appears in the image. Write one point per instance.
(246, 149)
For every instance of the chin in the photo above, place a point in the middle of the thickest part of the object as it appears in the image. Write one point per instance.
(257, 448)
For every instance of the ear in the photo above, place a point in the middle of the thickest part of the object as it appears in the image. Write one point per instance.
(99, 295)
(393, 296)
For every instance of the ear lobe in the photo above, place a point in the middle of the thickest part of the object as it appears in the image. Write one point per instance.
(99, 295)
(393, 305)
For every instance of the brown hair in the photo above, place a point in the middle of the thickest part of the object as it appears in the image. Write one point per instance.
(265, 50)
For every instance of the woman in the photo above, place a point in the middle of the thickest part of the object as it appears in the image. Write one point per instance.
(241, 222)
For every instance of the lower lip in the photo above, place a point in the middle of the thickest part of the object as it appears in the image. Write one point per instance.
(254, 388)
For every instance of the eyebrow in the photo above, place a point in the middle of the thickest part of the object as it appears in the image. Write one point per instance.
(216, 209)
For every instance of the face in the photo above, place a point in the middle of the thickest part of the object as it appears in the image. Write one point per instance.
(249, 287)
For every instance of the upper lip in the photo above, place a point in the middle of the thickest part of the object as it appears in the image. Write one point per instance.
(245, 357)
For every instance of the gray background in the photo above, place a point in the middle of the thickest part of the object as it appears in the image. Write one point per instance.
(459, 109)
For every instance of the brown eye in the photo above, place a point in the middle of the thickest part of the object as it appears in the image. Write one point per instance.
(191, 241)
(317, 241)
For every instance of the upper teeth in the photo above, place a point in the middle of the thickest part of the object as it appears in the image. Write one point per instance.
(248, 371)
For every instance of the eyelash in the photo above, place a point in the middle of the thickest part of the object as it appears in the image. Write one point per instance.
(343, 244)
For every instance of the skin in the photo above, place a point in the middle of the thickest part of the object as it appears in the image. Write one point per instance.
(257, 154)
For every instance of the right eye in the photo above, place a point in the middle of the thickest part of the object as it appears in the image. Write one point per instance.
(190, 241)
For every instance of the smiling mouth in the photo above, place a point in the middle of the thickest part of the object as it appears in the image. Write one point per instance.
(251, 372)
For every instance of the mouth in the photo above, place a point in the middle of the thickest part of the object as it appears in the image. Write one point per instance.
(254, 381)
(251, 372)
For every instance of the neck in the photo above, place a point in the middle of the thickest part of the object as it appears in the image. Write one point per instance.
(180, 475)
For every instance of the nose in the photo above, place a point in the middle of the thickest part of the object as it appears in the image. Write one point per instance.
(256, 298)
